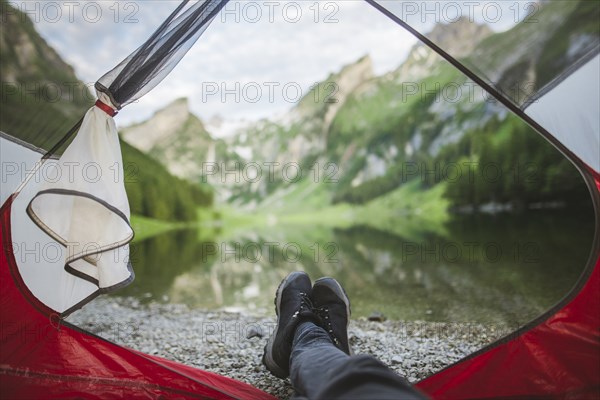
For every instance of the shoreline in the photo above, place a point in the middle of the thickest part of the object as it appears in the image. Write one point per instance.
(230, 343)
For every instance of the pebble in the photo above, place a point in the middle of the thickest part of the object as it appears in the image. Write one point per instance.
(218, 341)
(377, 316)
(254, 332)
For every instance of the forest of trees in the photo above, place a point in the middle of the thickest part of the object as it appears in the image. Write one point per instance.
(506, 162)
(155, 193)
(501, 161)
(512, 165)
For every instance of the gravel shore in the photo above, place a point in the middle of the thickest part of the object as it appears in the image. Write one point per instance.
(231, 343)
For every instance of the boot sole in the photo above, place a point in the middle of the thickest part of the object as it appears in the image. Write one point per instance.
(267, 359)
(341, 293)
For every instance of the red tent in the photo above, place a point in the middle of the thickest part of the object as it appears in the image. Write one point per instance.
(82, 230)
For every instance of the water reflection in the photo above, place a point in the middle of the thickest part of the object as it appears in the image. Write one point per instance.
(490, 269)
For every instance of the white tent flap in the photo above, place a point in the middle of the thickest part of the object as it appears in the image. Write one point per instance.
(85, 208)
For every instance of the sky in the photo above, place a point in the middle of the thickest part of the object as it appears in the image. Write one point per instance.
(257, 58)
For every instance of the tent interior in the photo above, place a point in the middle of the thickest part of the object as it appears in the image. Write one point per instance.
(86, 228)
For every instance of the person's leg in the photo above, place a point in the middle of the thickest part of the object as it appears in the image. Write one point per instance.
(312, 348)
(320, 364)
(364, 377)
(311, 340)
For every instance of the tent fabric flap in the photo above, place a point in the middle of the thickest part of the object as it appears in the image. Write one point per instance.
(86, 208)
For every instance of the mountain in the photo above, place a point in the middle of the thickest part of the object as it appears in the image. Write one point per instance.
(539, 48)
(179, 140)
(427, 115)
(42, 98)
(175, 137)
(430, 121)
(359, 138)
(456, 38)
(353, 125)
(299, 139)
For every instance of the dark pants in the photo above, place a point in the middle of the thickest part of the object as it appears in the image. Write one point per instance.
(319, 370)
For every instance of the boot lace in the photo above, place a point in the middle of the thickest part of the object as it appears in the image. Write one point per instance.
(306, 304)
(323, 314)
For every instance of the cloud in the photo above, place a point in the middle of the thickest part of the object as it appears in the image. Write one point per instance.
(288, 43)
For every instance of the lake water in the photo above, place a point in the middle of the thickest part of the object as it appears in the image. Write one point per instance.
(503, 269)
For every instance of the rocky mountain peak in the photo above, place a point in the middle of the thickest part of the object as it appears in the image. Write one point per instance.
(361, 70)
(460, 37)
(162, 124)
(351, 76)
(337, 86)
(178, 109)
(333, 93)
(175, 137)
(348, 80)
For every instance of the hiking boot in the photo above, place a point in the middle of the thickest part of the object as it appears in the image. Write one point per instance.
(292, 305)
(332, 305)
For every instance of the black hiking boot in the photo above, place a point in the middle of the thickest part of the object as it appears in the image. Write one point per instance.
(332, 305)
(292, 305)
